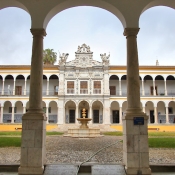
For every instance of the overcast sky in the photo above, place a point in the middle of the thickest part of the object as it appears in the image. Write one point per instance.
(98, 28)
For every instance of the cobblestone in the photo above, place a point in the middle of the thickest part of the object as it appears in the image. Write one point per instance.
(61, 149)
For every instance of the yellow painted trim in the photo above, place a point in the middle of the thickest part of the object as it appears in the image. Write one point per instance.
(162, 128)
(17, 127)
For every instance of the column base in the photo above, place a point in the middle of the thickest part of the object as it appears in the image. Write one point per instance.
(135, 171)
(30, 170)
(135, 143)
(33, 144)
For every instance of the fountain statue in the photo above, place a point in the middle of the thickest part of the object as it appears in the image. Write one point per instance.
(84, 120)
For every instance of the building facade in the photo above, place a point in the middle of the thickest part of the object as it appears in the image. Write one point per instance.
(84, 82)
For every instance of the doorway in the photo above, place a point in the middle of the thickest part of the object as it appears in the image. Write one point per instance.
(115, 115)
(151, 116)
(71, 116)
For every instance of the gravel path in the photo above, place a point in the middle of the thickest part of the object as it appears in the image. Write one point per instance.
(61, 149)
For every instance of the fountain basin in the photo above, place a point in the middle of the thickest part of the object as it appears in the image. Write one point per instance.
(84, 133)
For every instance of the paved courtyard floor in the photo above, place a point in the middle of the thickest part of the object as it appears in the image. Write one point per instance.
(61, 149)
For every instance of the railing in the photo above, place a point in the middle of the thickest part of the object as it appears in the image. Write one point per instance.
(70, 91)
(97, 91)
(83, 91)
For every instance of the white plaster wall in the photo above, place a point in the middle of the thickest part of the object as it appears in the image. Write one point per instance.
(124, 107)
(6, 107)
(172, 104)
(123, 87)
(161, 108)
(149, 106)
(170, 86)
(160, 86)
(8, 82)
(52, 84)
(116, 84)
(54, 108)
(20, 83)
(19, 107)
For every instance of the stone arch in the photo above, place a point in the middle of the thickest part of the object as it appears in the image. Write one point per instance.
(115, 113)
(149, 110)
(70, 111)
(53, 84)
(13, 3)
(160, 85)
(70, 100)
(18, 111)
(7, 113)
(170, 84)
(155, 3)
(69, 3)
(148, 82)
(124, 85)
(53, 112)
(124, 107)
(171, 112)
(45, 78)
(114, 85)
(161, 113)
(97, 111)
(8, 84)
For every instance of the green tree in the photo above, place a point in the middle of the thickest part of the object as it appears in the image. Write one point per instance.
(49, 56)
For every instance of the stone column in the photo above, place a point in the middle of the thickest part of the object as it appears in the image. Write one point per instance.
(154, 90)
(165, 88)
(167, 116)
(106, 112)
(155, 115)
(47, 91)
(25, 84)
(120, 114)
(57, 114)
(90, 114)
(47, 114)
(143, 109)
(120, 89)
(12, 118)
(2, 107)
(61, 111)
(143, 89)
(135, 137)
(3, 87)
(76, 121)
(24, 109)
(14, 87)
(34, 121)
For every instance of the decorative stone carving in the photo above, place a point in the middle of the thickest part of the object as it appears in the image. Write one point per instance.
(105, 58)
(83, 49)
(63, 58)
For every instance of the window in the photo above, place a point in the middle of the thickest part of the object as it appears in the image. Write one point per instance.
(10, 109)
(18, 90)
(112, 90)
(97, 87)
(70, 87)
(83, 87)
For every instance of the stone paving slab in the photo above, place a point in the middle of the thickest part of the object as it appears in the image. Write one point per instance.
(60, 170)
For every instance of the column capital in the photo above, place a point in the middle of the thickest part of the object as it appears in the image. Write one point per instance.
(131, 31)
(38, 32)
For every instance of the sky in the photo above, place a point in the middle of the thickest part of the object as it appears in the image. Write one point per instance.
(96, 27)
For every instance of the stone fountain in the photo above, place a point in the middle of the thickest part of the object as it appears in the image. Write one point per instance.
(84, 131)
